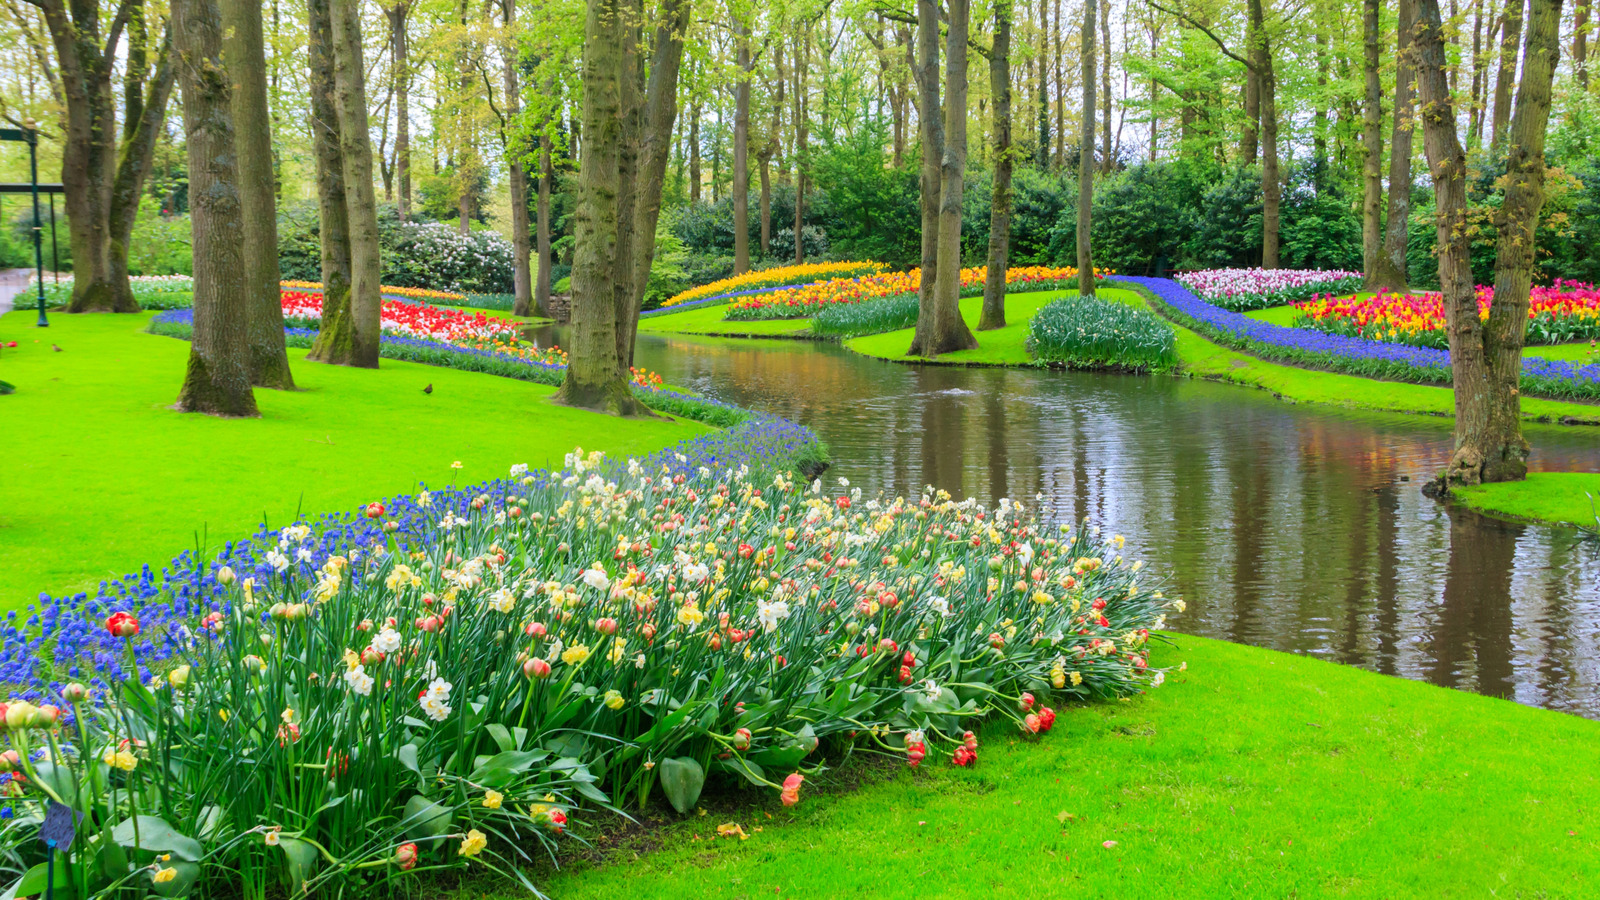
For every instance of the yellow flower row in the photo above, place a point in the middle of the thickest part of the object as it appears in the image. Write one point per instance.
(778, 277)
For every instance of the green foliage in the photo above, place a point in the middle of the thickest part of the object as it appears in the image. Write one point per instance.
(414, 254)
(1093, 333)
(847, 320)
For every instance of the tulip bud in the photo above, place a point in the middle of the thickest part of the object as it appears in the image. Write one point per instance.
(535, 630)
(405, 856)
(20, 715)
(741, 739)
(536, 668)
(74, 693)
(225, 576)
(605, 625)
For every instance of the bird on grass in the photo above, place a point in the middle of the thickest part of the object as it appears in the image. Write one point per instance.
(55, 348)
(428, 389)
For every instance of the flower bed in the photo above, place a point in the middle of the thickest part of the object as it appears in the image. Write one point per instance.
(151, 291)
(1563, 312)
(807, 273)
(809, 300)
(1246, 289)
(410, 293)
(1093, 333)
(304, 310)
(449, 678)
(1357, 356)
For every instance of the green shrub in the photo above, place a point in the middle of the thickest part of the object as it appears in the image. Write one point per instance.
(1092, 333)
(847, 320)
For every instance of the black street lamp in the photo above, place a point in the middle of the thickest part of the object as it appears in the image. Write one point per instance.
(29, 134)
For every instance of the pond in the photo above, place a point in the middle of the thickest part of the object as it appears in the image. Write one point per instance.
(1299, 528)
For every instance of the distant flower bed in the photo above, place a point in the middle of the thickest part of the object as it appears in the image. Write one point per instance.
(777, 277)
(152, 291)
(304, 310)
(1089, 332)
(1563, 312)
(387, 290)
(1355, 355)
(809, 300)
(455, 678)
(1246, 289)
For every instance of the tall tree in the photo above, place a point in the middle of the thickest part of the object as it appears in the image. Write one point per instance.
(1510, 34)
(514, 137)
(802, 139)
(994, 282)
(1391, 273)
(1580, 44)
(1086, 154)
(1371, 146)
(1107, 154)
(350, 100)
(103, 173)
(541, 242)
(245, 56)
(1042, 157)
(1271, 178)
(332, 344)
(948, 332)
(1486, 356)
(400, 58)
(741, 147)
(930, 130)
(217, 380)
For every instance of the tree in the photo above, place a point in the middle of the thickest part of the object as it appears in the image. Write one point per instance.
(931, 133)
(355, 148)
(252, 128)
(1510, 31)
(948, 332)
(333, 343)
(741, 149)
(994, 283)
(1391, 271)
(1486, 356)
(400, 55)
(103, 175)
(1086, 154)
(1371, 147)
(217, 380)
(516, 150)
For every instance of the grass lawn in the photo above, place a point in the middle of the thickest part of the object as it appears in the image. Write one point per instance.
(102, 477)
(709, 320)
(1002, 347)
(1545, 496)
(1253, 774)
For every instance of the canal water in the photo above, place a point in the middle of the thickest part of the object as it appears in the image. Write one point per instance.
(1300, 528)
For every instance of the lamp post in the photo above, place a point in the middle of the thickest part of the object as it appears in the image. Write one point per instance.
(31, 134)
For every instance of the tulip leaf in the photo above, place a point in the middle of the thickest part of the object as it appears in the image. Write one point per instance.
(33, 882)
(752, 772)
(425, 818)
(155, 835)
(501, 735)
(681, 780)
(186, 874)
(407, 754)
(302, 860)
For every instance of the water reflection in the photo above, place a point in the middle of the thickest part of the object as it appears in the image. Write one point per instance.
(1293, 527)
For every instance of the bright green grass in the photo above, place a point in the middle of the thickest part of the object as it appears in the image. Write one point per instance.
(1001, 347)
(99, 476)
(1253, 774)
(1545, 496)
(709, 320)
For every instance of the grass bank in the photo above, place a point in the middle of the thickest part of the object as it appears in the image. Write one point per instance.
(1001, 347)
(1252, 774)
(102, 477)
(708, 320)
(1558, 497)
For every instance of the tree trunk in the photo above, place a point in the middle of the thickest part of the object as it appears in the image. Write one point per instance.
(217, 380)
(400, 48)
(694, 152)
(1042, 157)
(350, 93)
(769, 151)
(516, 169)
(1391, 272)
(333, 337)
(1371, 148)
(931, 132)
(541, 285)
(252, 128)
(595, 377)
(1271, 180)
(1475, 110)
(1580, 44)
(1086, 155)
(1510, 34)
(994, 282)
(1107, 160)
(1061, 94)
(741, 152)
(1250, 137)
(802, 137)
(950, 331)
(135, 158)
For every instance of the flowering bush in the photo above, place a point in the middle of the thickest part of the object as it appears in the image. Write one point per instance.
(1563, 312)
(1094, 333)
(1245, 289)
(808, 300)
(450, 678)
(807, 273)
(1356, 355)
(304, 310)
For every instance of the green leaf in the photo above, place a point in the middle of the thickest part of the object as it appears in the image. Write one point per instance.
(302, 861)
(681, 780)
(155, 835)
(407, 754)
(425, 818)
(181, 884)
(501, 735)
(751, 772)
(33, 881)
(113, 859)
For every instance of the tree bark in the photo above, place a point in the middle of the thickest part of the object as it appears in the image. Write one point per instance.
(595, 377)
(994, 282)
(766, 154)
(1371, 147)
(1042, 157)
(1271, 179)
(802, 137)
(1086, 156)
(252, 128)
(400, 50)
(950, 331)
(1580, 44)
(1475, 110)
(1107, 160)
(741, 152)
(1510, 34)
(1391, 272)
(516, 169)
(930, 130)
(694, 152)
(547, 174)
(350, 92)
(217, 380)
(1250, 136)
(333, 337)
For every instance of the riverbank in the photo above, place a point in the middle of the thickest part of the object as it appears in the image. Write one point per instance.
(104, 477)
(1252, 773)
(1556, 498)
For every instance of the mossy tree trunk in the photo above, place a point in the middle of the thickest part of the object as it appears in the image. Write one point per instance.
(1086, 155)
(1371, 146)
(218, 377)
(741, 148)
(994, 284)
(334, 338)
(516, 149)
(930, 130)
(1391, 273)
(950, 332)
(252, 128)
(541, 284)
(1271, 178)
(350, 96)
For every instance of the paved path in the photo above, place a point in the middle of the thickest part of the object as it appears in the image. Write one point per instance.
(12, 283)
